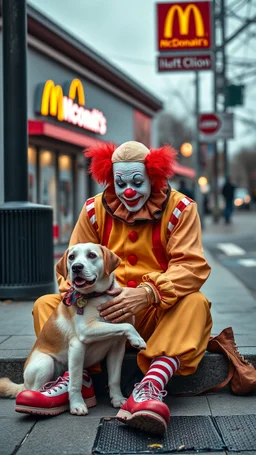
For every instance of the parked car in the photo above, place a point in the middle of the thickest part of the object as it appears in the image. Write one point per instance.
(242, 199)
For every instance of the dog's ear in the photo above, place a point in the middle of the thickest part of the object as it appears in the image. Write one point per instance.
(111, 260)
(61, 266)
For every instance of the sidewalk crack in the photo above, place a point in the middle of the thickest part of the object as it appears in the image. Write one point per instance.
(18, 446)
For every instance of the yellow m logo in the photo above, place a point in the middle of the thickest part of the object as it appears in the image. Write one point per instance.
(184, 20)
(76, 89)
(52, 100)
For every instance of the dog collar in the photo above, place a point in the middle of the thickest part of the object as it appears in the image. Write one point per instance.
(73, 297)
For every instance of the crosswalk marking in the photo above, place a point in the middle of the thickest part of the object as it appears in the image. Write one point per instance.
(230, 249)
(247, 262)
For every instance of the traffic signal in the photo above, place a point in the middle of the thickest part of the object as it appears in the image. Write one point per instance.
(234, 95)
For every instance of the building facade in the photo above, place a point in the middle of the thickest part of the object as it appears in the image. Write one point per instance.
(75, 99)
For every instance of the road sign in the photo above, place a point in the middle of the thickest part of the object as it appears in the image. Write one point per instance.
(188, 62)
(215, 126)
(209, 123)
(184, 26)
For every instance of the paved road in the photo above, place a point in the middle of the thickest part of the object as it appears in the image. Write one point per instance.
(234, 247)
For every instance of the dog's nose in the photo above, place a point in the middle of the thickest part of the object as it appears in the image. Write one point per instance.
(77, 267)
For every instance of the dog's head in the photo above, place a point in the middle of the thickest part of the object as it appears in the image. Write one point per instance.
(90, 265)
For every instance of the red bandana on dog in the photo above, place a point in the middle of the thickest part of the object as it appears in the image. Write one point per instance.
(73, 297)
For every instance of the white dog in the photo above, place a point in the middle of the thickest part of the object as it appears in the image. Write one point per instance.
(76, 336)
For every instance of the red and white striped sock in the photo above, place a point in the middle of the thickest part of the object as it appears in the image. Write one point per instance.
(161, 370)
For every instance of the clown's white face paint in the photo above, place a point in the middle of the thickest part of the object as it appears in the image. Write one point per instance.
(132, 184)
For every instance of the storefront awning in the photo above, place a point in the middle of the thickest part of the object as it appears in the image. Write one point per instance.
(184, 171)
(41, 128)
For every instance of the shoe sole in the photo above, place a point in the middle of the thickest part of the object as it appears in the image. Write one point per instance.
(90, 403)
(42, 411)
(148, 421)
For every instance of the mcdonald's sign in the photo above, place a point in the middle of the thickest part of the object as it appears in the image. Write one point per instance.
(184, 26)
(66, 103)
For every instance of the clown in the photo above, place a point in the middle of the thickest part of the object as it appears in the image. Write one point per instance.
(156, 232)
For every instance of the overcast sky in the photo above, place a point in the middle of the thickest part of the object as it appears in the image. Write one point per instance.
(124, 32)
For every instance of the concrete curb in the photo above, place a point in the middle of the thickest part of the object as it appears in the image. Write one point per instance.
(212, 370)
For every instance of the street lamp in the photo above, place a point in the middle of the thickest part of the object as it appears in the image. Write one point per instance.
(203, 184)
(186, 149)
(202, 181)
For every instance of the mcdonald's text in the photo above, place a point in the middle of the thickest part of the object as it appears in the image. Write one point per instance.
(93, 120)
(51, 101)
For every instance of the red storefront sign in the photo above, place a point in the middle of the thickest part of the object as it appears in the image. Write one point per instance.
(184, 26)
(185, 62)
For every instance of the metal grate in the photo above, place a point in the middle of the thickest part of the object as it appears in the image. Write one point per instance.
(195, 433)
(238, 432)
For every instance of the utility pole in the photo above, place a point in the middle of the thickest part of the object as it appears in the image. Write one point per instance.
(220, 15)
(215, 170)
(224, 79)
(15, 101)
(198, 162)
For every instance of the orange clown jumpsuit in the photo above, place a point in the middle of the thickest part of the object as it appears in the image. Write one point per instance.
(168, 254)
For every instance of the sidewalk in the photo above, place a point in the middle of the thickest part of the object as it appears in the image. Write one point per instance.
(232, 302)
(232, 305)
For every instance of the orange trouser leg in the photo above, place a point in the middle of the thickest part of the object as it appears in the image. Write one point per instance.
(181, 331)
(42, 310)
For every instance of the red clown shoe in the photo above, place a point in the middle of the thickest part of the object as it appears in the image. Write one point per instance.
(145, 410)
(53, 398)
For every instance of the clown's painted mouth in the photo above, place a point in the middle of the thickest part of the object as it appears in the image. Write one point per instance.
(133, 202)
(80, 282)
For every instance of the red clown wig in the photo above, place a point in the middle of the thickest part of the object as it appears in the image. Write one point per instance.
(159, 163)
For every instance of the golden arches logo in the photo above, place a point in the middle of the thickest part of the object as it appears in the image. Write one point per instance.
(184, 20)
(76, 89)
(52, 98)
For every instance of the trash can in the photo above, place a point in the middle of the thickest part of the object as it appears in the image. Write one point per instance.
(26, 251)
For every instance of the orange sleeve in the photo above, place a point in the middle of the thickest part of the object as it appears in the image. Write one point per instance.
(83, 232)
(187, 268)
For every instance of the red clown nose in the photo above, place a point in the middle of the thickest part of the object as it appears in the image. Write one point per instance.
(129, 193)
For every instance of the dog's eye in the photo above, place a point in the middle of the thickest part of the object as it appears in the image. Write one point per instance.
(71, 257)
(92, 255)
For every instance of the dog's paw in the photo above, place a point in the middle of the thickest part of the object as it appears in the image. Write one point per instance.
(79, 409)
(118, 401)
(137, 342)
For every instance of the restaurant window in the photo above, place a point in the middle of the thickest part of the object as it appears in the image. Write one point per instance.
(142, 128)
(32, 181)
(66, 197)
(48, 183)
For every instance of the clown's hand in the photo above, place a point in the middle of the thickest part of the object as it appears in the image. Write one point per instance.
(126, 303)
